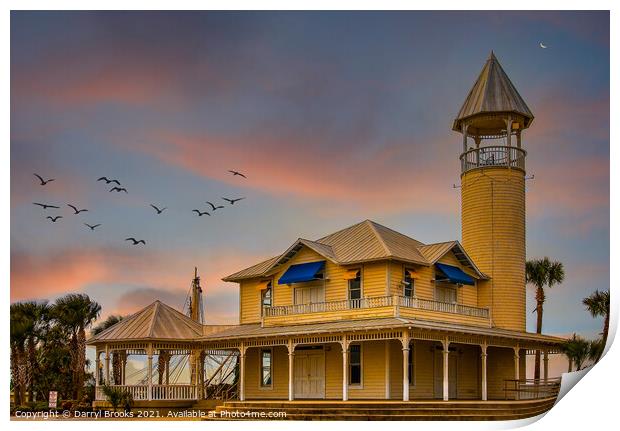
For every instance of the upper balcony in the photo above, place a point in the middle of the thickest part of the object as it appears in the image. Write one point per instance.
(491, 156)
(375, 307)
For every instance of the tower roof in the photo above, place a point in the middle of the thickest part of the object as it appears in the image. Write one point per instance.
(493, 92)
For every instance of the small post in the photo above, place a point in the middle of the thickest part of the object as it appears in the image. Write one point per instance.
(546, 365)
(291, 364)
(150, 371)
(446, 370)
(107, 365)
(405, 341)
(242, 372)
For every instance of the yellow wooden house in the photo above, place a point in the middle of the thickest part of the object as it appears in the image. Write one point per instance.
(368, 313)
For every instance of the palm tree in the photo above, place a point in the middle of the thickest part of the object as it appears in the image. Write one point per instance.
(34, 315)
(76, 312)
(596, 350)
(117, 356)
(598, 305)
(577, 350)
(540, 273)
(18, 336)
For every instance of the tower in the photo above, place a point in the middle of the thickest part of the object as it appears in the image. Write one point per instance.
(491, 121)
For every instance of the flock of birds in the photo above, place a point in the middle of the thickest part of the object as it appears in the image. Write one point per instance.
(118, 189)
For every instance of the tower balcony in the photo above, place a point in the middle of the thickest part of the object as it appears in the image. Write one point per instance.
(493, 156)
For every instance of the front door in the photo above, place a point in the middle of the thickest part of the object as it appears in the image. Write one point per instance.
(438, 375)
(309, 373)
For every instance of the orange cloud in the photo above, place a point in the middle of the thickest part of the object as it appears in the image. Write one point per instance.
(390, 178)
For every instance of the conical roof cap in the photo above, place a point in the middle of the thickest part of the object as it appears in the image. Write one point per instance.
(493, 92)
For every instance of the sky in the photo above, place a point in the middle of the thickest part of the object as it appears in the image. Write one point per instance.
(334, 118)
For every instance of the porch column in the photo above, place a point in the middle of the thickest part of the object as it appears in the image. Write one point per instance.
(149, 370)
(242, 373)
(97, 366)
(483, 369)
(387, 369)
(107, 365)
(345, 368)
(405, 342)
(546, 365)
(516, 349)
(291, 369)
(446, 370)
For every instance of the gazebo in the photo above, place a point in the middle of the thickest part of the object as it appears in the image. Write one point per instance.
(157, 331)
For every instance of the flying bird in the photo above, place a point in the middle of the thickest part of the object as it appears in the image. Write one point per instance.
(108, 181)
(543, 46)
(232, 201)
(43, 182)
(235, 173)
(200, 214)
(45, 206)
(135, 241)
(75, 210)
(92, 227)
(53, 219)
(159, 211)
(118, 189)
(215, 207)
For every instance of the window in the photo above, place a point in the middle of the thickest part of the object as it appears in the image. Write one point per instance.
(445, 294)
(265, 367)
(408, 289)
(355, 364)
(266, 298)
(355, 291)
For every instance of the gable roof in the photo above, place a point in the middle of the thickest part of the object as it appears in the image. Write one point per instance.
(366, 241)
(493, 92)
(157, 321)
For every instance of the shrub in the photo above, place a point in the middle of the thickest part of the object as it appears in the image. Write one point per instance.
(118, 397)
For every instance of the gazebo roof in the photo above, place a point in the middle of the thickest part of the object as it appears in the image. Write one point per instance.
(493, 92)
(157, 321)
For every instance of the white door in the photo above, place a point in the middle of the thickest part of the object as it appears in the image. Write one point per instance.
(312, 297)
(309, 374)
(438, 375)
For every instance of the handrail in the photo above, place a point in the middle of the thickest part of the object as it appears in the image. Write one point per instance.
(495, 155)
(375, 302)
(531, 389)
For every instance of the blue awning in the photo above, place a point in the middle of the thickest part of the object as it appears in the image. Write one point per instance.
(455, 274)
(302, 272)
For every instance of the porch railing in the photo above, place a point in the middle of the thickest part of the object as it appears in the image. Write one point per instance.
(497, 155)
(531, 389)
(444, 307)
(158, 392)
(376, 302)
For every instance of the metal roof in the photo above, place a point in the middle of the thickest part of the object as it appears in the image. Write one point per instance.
(157, 321)
(493, 92)
(249, 331)
(366, 241)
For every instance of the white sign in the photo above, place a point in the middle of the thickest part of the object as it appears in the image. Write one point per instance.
(53, 399)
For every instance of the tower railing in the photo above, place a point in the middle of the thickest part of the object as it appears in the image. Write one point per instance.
(495, 155)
